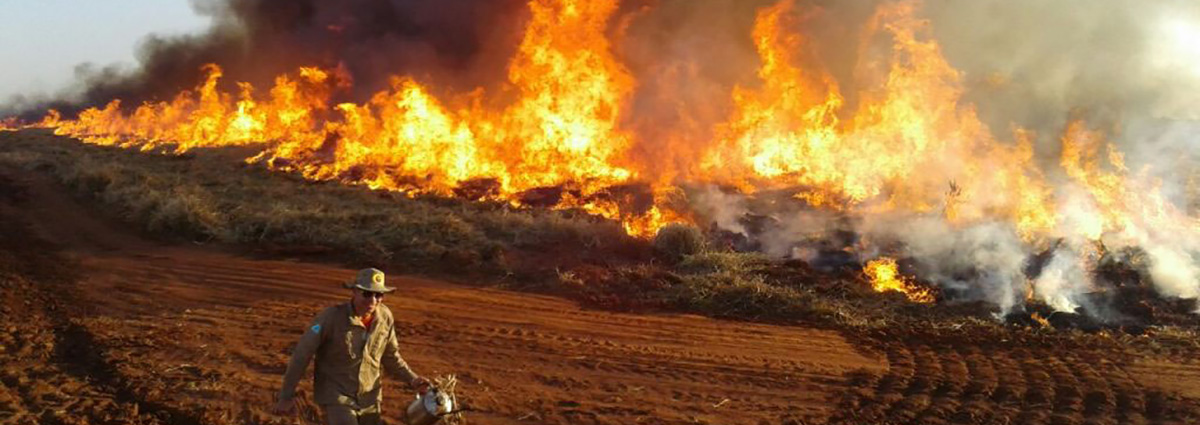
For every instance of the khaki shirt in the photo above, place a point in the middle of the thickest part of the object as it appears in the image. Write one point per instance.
(349, 357)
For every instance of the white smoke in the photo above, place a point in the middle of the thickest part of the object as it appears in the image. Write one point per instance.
(1173, 271)
(722, 208)
(1062, 280)
(1128, 69)
(985, 261)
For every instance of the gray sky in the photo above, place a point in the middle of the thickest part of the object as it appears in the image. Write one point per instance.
(42, 41)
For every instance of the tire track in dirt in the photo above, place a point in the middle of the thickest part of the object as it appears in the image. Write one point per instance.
(49, 372)
(947, 383)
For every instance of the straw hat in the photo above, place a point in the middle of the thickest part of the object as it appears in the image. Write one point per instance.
(370, 280)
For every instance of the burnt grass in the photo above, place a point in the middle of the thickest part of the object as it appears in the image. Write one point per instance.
(212, 196)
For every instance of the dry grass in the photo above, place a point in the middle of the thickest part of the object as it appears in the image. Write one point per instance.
(731, 262)
(742, 286)
(448, 384)
(211, 196)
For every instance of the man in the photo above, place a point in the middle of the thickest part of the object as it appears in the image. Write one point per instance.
(351, 342)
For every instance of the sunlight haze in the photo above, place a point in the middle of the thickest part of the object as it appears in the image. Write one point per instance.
(43, 41)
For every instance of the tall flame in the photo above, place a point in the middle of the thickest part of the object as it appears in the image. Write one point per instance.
(572, 94)
(1127, 210)
(562, 129)
(891, 152)
(786, 129)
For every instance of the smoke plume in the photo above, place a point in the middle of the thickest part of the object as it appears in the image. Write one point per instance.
(456, 43)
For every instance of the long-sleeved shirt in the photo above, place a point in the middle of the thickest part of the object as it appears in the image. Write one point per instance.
(349, 357)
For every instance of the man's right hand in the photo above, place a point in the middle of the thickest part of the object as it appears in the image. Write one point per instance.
(285, 407)
(420, 384)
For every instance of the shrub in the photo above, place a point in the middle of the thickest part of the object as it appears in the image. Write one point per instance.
(747, 296)
(676, 241)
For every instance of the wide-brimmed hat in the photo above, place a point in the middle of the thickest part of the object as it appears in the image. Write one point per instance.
(370, 280)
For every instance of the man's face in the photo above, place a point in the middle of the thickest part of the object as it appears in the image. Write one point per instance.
(365, 302)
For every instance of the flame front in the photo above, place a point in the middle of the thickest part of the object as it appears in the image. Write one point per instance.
(892, 152)
(207, 117)
(903, 141)
(561, 130)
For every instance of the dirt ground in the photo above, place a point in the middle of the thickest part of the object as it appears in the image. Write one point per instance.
(99, 325)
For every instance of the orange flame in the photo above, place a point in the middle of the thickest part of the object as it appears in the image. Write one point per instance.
(891, 153)
(1113, 201)
(885, 276)
(9, 124)
(206, 118)
(1041, 321)
(562, 129)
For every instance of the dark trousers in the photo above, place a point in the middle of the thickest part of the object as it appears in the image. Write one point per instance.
(337, 414)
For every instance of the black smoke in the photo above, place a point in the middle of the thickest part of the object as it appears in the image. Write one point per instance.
(455, 43)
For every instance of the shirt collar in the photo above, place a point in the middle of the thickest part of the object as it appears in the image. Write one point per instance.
(355, 319)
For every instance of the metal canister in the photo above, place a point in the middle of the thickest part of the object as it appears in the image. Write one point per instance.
(428, 408)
